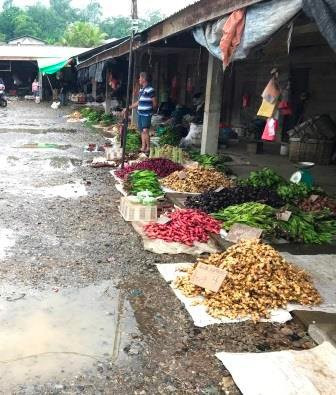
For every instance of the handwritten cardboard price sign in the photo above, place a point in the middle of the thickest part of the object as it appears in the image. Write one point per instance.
(208, 277)
(240, 232)
(284, 215)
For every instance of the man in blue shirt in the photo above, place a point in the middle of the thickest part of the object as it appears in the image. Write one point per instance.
(145, 107)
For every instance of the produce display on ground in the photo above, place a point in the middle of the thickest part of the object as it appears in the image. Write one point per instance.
(162, 167)
(169, 152)
(133, 141)
(253, 214)
(197, 180)
(185, 226)
(319, 204)
(170, 137)
(309, 228)
(265, 178)
(211, 202)
(143, 180)
(291, 192)
(258, 281)
(218, 162)
(94, 116)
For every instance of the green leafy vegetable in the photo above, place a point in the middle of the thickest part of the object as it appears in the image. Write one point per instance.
(170, 137)
(265, 178)
(143, 180)
(252, 214)
(292, 192)
(133, 141)
(309, 228)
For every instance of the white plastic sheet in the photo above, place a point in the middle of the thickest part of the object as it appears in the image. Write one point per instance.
(311, 372)
(323, 271)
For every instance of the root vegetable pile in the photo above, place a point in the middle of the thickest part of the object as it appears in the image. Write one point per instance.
(185, 226)
(162, 167)
(197, 180)
(258, 280)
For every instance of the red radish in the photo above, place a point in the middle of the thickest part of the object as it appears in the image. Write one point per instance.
(186, 226)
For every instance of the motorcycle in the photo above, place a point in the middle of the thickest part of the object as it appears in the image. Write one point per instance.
(3, 100)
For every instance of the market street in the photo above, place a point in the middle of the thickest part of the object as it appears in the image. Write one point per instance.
(83, 308)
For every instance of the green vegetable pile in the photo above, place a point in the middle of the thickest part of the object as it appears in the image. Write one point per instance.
(133, 141)
(94, 117)
(252, 214)
(265, 178)
(218, 162)
(143, 180)
(107, 120)
(291, 192)
(170, 137)
(86, 111)
(309, 228)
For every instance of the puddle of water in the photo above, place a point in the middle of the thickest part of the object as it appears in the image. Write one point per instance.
(66, 191)
(7, 240)
(46, 337)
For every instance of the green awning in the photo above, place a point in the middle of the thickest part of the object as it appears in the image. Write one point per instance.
(51, 65)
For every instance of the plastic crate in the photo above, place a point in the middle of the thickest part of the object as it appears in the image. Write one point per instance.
(135, 212)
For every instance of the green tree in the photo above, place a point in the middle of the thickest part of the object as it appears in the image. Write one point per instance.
(8, 4)
(50, 25)
(82, 34)
(117, 27)
(121, 26)
(25, 26)
(92, 13)
(8, 20)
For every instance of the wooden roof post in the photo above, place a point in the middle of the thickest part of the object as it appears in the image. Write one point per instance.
(213, 105)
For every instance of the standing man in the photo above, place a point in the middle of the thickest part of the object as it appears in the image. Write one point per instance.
(145, 105)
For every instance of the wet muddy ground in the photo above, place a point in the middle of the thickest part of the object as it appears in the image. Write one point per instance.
(82, 306)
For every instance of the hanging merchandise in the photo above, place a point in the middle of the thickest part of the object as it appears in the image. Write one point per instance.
(232, 33)
(270, 130)
(284, 105)
(272, 91)
(189, 85)
(285, 108)
(246, 100)
(266, 109)
(174, 88)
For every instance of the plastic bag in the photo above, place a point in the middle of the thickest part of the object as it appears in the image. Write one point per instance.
(266, 109)
(271, 92)
(270, 130)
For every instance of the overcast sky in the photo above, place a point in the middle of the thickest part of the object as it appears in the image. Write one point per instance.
(122, 7)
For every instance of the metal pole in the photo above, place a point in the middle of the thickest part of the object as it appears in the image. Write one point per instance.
(129, 80)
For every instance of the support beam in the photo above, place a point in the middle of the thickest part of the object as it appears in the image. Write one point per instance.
(108, 99)
(213, 103)
(94, 89)
(136, 65)
(40, 81)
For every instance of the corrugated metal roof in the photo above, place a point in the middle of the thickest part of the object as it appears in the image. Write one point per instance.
(185, 19)
(34, 52)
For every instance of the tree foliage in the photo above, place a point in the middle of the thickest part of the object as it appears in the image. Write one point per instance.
(60, 22)
(83, 34)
